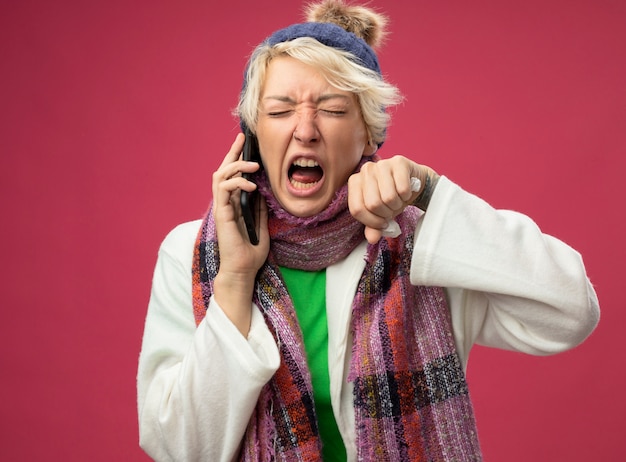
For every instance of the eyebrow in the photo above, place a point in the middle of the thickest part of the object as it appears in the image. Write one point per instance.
(321, 99)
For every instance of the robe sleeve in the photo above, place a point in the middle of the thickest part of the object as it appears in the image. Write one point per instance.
(509, 285)
(196, 386)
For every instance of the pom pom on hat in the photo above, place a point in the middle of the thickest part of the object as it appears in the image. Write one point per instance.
(363, 22)
(354, 29)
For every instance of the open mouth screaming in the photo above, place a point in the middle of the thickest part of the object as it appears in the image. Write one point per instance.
(305, 173)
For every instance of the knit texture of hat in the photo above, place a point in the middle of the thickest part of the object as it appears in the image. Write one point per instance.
(330, 35)
(327, 34)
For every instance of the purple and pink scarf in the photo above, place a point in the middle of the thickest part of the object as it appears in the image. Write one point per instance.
(411, 398)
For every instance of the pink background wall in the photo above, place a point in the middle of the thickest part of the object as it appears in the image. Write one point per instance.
(114, 114)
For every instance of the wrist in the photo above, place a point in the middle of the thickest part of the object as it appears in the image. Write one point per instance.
(233, 293)
(423, 199)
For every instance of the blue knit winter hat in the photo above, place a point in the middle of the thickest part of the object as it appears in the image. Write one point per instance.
(330, 35)
(352, 29)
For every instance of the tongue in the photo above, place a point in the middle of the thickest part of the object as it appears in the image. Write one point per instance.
(306, 175)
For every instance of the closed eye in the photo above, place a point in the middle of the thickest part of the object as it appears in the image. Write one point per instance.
(332, 112)
(279, 113)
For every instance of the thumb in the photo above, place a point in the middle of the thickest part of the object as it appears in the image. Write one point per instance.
(373, 235)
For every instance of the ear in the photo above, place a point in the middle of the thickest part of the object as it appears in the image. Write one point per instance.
(370, 148)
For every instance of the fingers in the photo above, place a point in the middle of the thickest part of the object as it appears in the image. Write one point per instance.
(382, 190)
(364, 201)
(227, 179)
(232, 163)
(235, 150)
(239, 256)
(227, 185)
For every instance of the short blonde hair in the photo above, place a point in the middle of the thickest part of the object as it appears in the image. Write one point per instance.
(340, 68)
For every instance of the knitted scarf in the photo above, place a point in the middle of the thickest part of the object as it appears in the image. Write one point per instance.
(411, 399)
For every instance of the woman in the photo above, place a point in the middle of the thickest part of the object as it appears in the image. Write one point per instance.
(344, 334)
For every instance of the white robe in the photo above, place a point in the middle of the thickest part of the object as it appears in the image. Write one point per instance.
(508, 286)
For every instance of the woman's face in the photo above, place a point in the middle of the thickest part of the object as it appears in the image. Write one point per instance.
(311, 136)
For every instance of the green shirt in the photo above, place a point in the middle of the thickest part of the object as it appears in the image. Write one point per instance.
(308, 293)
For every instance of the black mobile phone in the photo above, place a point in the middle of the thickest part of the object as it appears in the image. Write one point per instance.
(249, 201)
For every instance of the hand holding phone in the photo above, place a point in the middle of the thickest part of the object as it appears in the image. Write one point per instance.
(249, 200)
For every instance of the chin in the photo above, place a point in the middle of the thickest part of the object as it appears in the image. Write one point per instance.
(304, 210)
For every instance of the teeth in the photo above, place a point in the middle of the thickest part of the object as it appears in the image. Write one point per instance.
(305, 163)
(299, 185)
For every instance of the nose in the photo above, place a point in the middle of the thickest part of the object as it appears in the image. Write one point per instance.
(306, 130)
